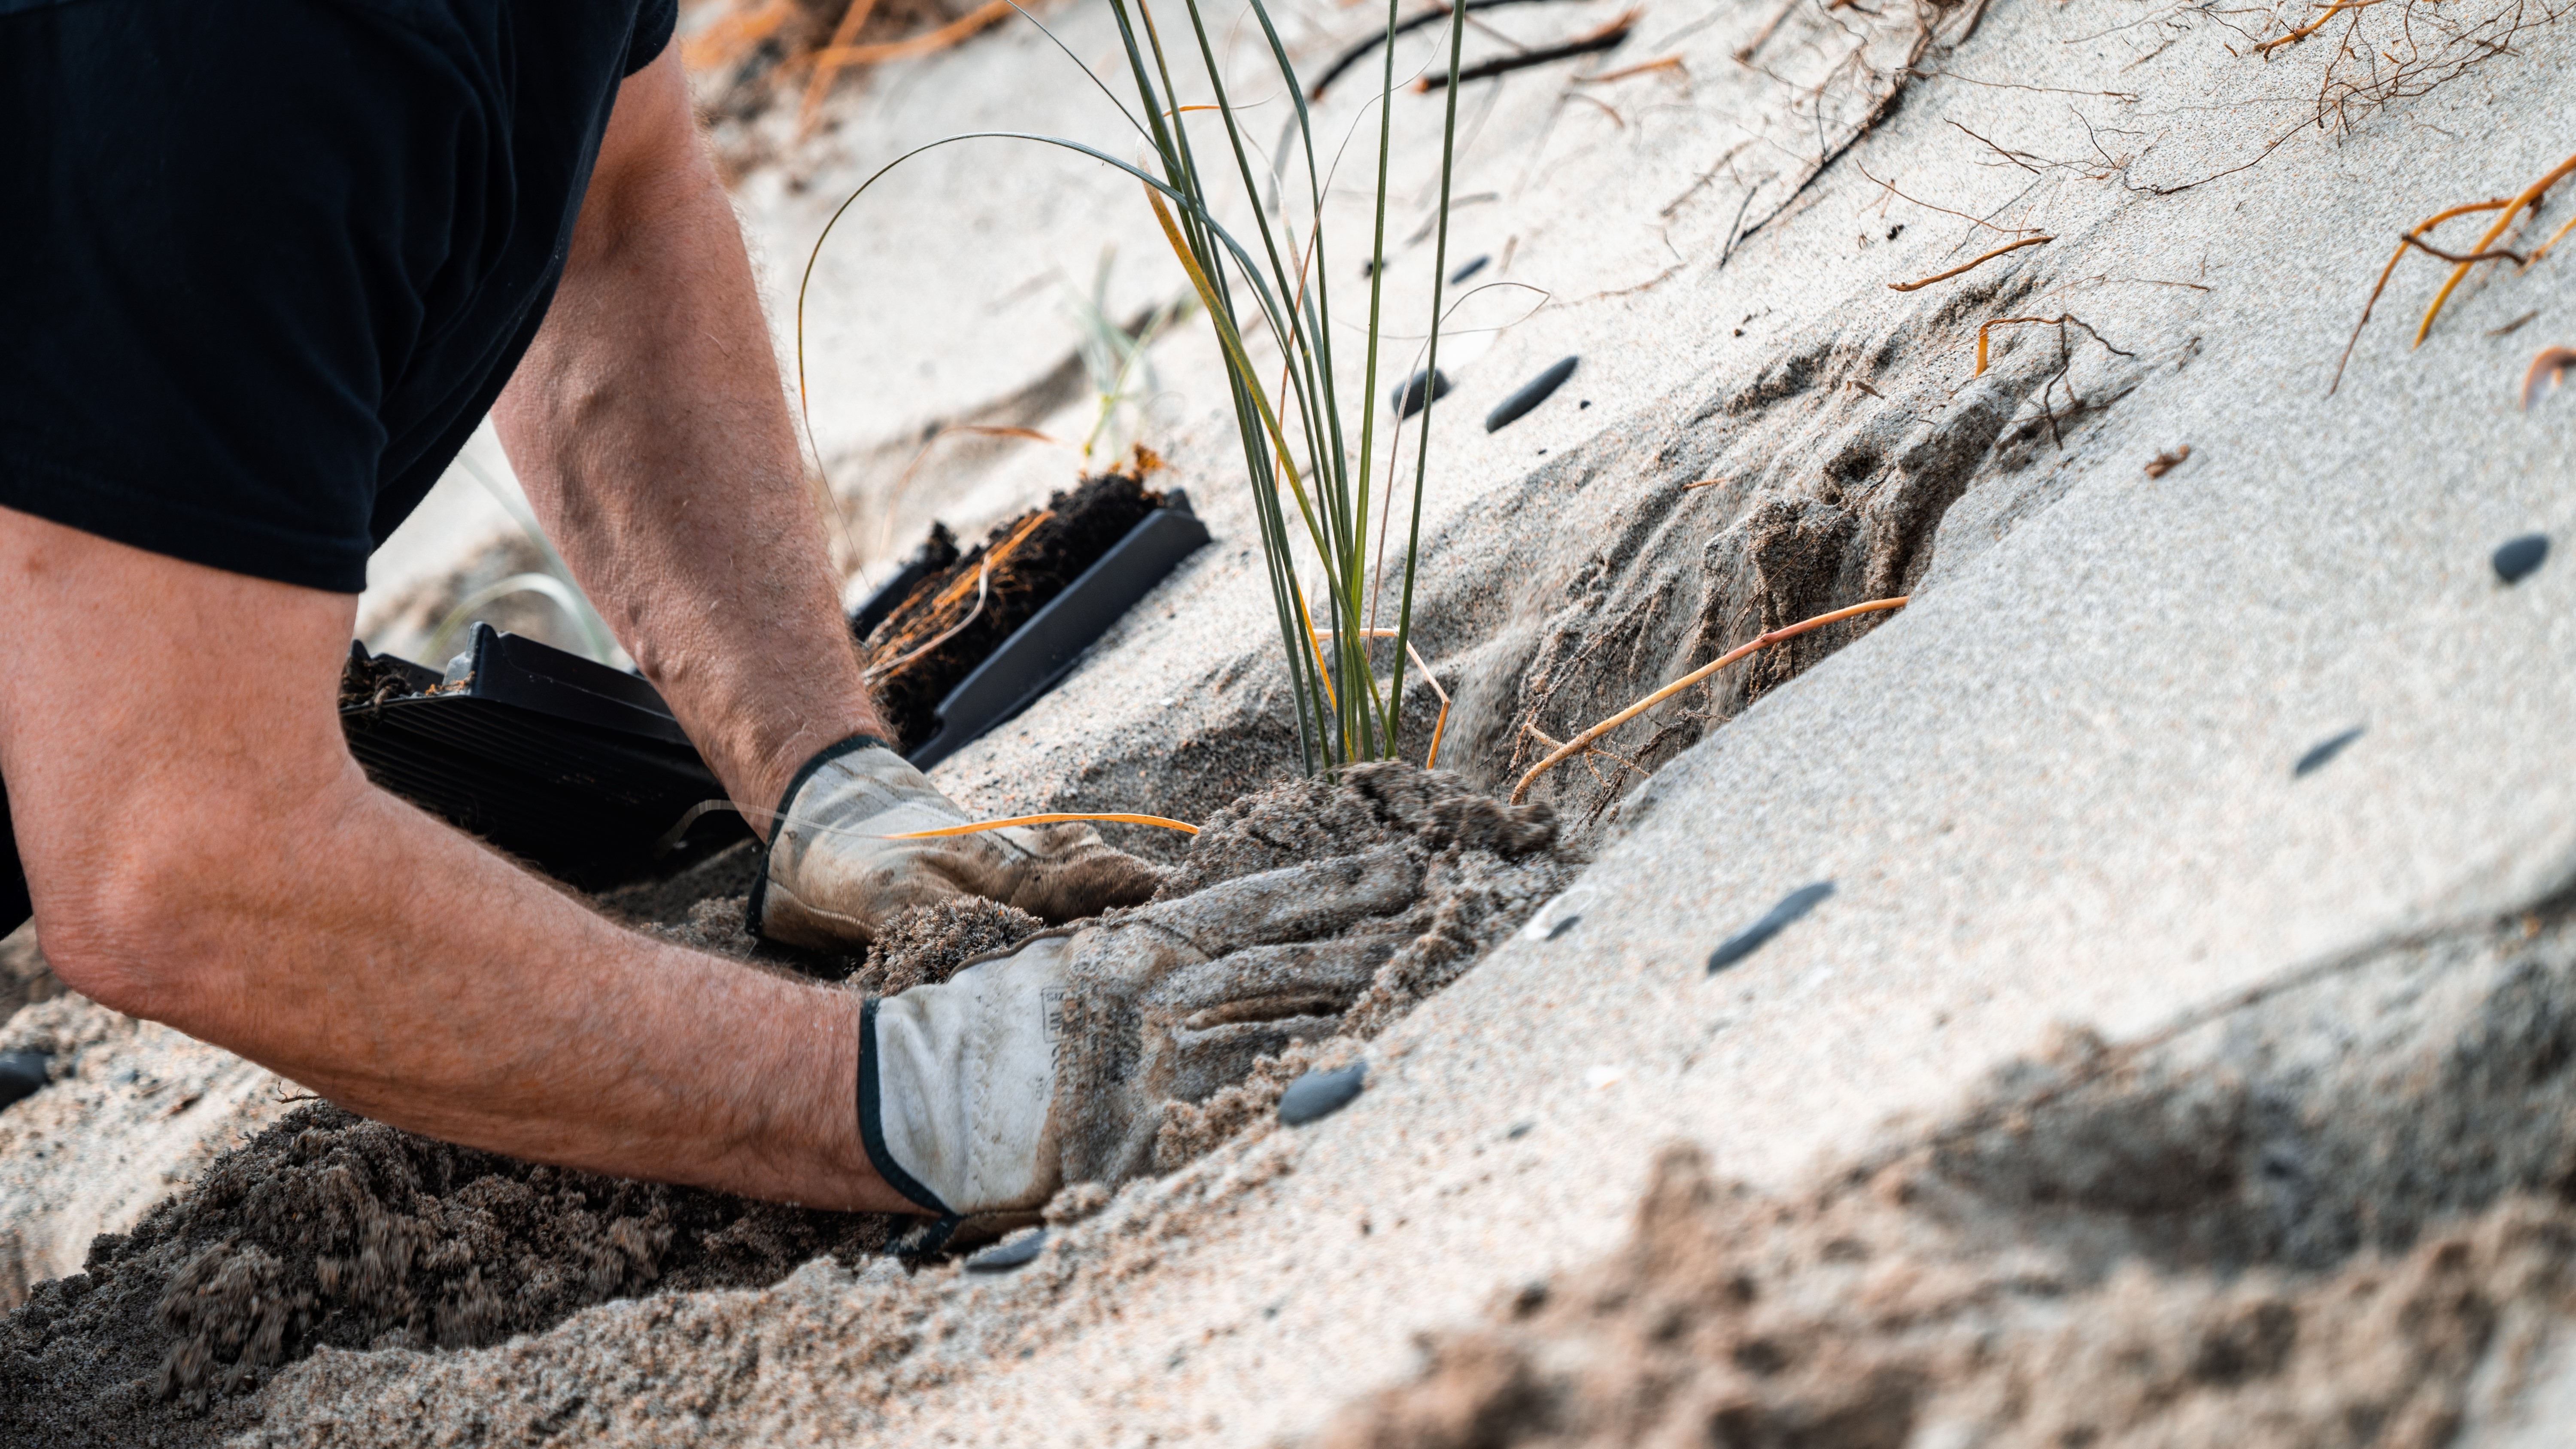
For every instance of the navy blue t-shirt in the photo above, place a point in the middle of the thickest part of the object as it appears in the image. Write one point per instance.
(265, 264)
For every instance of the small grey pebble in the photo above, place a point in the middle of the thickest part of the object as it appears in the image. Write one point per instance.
(2519, 558)
(2317, 756)
(23, 1074)
(1011, 1253)
(1317, 1095)
(1531, 394)
(1407, 399)
(1775, 920)
(1520, 1130)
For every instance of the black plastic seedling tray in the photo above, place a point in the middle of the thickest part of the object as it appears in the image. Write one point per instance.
(569, 764)
(1041, 652)
(582, 770)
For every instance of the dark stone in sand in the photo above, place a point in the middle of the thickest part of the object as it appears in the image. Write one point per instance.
(22, 1074)
(2519, 558)
(1779, 918)
(1004, 1256)
(1467, 269)
(2317, 756)
(1318, 1095)
(1561, 927)
(1407, 399)
(1536, 391)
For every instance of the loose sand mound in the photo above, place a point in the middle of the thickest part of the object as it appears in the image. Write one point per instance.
(328, 1231)
(133, 1110)
(2246, 1235)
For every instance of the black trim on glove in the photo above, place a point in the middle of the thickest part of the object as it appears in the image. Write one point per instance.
(787, 797)
(872, 1126)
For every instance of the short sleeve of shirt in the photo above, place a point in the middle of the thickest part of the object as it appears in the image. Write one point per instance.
(654, 22)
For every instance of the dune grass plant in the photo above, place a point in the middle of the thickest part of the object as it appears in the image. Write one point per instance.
(1302, 455)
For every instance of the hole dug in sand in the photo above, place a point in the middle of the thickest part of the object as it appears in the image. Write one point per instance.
(328, 1230)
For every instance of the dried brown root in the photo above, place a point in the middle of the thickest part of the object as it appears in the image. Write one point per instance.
(1969, 266)
(1583, 742)
(2421, 227)
(2061, 322)
(2530, 197)
(2553, 363)
(928, 42)
(2304, 31)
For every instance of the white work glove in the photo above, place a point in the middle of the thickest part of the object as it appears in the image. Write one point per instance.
(832, 878)
(981, 1096)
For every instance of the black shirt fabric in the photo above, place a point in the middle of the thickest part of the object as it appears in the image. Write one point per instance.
(265, 264)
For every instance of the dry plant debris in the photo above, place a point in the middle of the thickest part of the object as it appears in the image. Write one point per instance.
(2163, 463)
(2061, 323)
(1583, 742)
(2529, 198)
(2550, 367)
(1970, 265)
(1606, 38)
(2413, 239)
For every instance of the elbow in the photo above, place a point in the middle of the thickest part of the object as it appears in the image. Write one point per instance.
(121, 935)
(108, 957)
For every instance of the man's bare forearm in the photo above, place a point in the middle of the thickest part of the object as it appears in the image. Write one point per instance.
(648, 425)
(202, 851)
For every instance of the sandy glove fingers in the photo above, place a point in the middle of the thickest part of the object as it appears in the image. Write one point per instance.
(1073, 873)
(1294, 903)
(837, 871)
(1217, 1019)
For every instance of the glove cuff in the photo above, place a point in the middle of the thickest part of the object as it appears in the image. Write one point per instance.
(872, 1121)
(751, 909)
(957, 1085)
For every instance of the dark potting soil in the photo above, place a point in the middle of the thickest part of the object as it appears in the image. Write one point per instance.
(331, 1230)
(1034, 556)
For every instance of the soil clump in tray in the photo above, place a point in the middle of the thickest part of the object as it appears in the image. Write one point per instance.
(957, 615)
(331, 1230)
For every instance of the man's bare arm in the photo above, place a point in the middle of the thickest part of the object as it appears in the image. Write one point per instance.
(202, 851)
(648, 426)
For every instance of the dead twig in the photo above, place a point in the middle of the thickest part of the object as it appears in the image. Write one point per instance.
(2015, 157)
(2492, 254)
(1945, 211)
(1670, 62)
(1361, 49)
(2304, 31)
(1969, 266)
(993, 12)
(2553, 363)
(2164, 463)
(2059, 322)
(2530, 197)
(1583, 742)
(820, 84)
(1605, 38)
(2514, 326)
(1744, 53)
(2421, 227)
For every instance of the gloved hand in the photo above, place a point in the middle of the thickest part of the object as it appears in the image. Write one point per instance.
(833, 878)
(1052, 1063)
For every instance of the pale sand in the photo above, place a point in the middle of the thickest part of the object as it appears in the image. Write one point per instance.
(2058, 788)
